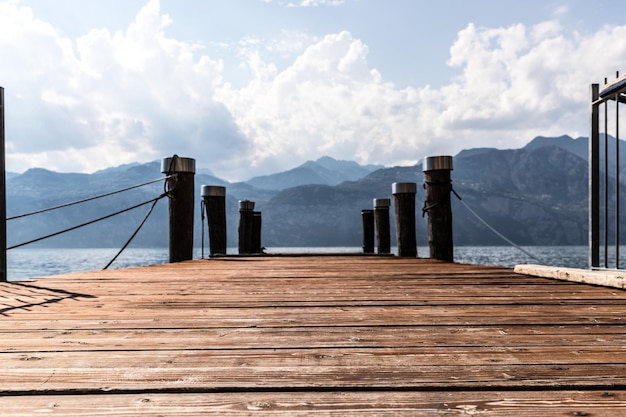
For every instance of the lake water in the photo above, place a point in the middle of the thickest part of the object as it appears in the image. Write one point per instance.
(31, 263)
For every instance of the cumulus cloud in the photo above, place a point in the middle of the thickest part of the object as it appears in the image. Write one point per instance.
(136, 95)
(109, 98)
(517, 82)
(513, 83)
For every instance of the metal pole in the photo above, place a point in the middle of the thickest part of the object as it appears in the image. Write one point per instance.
(617, 193)
(594, 181)
(3, 196)
(606, 184)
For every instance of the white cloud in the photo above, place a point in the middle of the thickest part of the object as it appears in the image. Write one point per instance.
(514, 83)
(328, 102)
(315, 3)
(121, 97)
(518, 82)
(136, 95)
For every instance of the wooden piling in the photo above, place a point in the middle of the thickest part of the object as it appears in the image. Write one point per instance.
(368, 230)
(181, 205)
(246, 213)
(404, 203)
(214, 197)
(381, 217)
(438, 186)
(257, 223)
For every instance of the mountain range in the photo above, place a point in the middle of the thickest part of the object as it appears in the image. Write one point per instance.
(535, 195)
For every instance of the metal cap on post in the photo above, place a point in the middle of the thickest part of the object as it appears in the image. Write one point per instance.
(382, 203)
(403, 188)
(381, 219)
(246, 205)
(177, 164)
(404, 202)
(438, 185)
(180, 185)
(214, 197)
(435, 163)
(213, 191)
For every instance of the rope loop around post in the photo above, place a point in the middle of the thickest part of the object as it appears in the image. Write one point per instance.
(427, 207)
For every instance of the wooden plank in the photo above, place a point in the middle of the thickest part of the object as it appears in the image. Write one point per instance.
(336, 403)
(607, 278)
(328, 335)
(282, 369)
(562, 337)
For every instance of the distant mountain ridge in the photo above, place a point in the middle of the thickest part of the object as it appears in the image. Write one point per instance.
(325, 170)
(535, 195)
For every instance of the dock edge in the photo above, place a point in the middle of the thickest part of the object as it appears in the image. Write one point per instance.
(605, 278)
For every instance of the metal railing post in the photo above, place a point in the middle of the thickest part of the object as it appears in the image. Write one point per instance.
(3, 196)
(594, 180)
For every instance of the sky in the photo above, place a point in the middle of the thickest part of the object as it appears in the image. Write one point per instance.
(254, 87)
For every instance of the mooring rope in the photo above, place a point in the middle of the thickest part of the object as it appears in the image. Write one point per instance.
(87, 199)
(491, 228)
(156, 200)
(202, 219)
(88, 223)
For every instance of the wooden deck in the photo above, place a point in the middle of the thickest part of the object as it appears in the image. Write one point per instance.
(302, 335)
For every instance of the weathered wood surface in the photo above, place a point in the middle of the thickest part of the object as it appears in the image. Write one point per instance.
(330, 335)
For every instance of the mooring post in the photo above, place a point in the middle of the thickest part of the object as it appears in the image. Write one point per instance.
(246, 214)
(3, 196)
(381, 217)
(256, 232)
(214, 197)
(180, 185)
(438, 186)
(404, 202)
(368, 230)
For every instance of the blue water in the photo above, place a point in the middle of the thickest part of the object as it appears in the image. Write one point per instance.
(34, 263)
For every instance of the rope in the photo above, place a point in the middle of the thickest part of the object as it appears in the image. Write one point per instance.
(135, 232)
(170, 174)
(87, 199)
(202, 217)
(427, 208)
(491, 228)
(88, 223)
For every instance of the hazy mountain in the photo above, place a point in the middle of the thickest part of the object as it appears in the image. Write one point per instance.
(578, 146)
(536, 195)
(118, 168)
(325, 170)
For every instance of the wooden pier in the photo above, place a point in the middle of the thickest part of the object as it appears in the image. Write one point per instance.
(311, 335)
